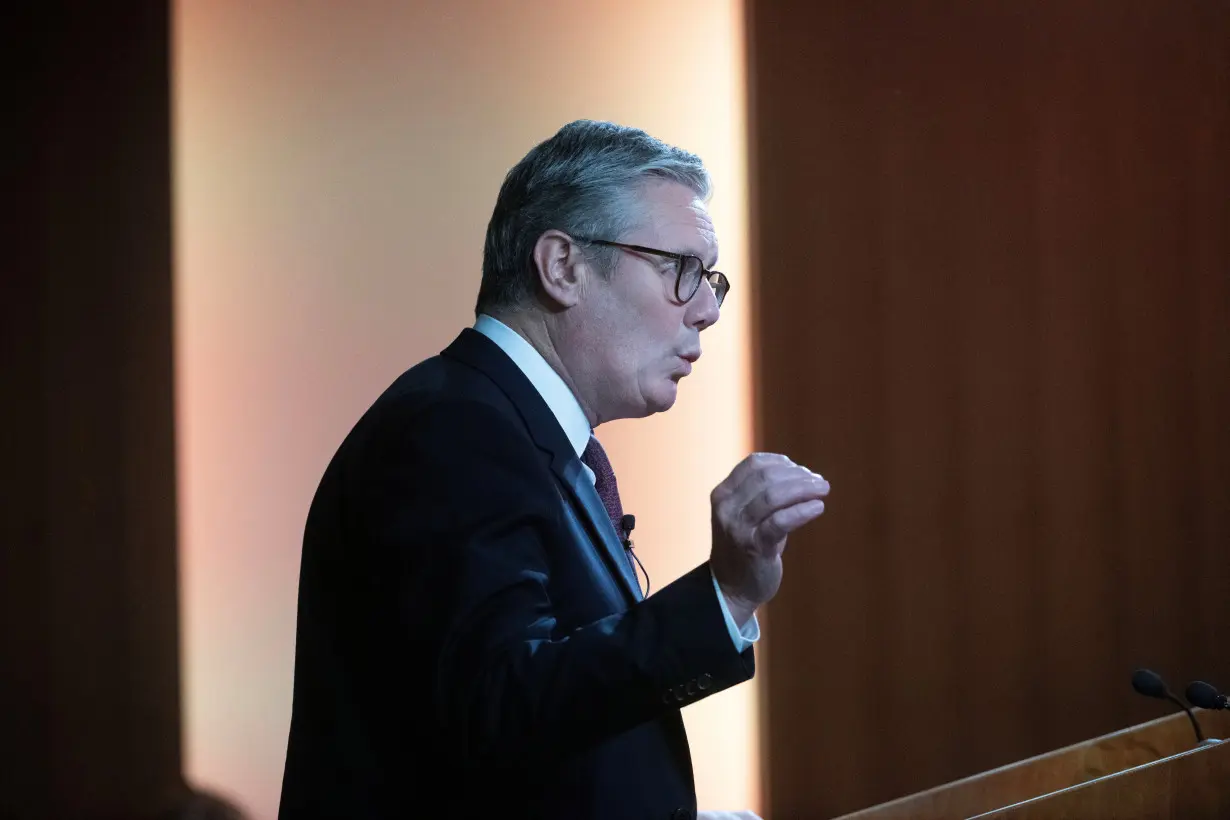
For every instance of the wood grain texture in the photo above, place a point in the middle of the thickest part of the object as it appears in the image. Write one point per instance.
(1052, 772)
(89, 620)
(993, 308)
(1188, 786)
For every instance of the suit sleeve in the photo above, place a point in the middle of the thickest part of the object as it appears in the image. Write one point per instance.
(464, 506)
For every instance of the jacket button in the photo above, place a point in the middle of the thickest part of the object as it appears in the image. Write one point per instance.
(683, 814)
(704, 681)
(667, 698)
(679, 694)
(692, 688)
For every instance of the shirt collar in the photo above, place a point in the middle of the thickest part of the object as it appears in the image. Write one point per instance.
(546, 381)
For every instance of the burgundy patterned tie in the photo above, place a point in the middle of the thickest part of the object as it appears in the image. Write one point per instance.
(595, 458)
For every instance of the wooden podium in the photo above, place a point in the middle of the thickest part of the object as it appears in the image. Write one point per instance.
(1154, 770)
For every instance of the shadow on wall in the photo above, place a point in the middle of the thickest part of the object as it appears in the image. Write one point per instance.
(204, 805)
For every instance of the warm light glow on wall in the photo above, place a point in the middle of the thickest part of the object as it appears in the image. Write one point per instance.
(335, 168)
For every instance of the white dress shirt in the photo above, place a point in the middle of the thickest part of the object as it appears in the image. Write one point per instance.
(572, 418)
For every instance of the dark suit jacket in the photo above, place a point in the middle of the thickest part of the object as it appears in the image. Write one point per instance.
(470, 639)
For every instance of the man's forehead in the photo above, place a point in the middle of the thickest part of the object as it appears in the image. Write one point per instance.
(680, 220)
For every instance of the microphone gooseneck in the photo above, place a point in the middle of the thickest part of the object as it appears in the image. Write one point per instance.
(1150, 684)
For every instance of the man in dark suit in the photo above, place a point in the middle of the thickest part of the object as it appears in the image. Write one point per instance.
(472, 638)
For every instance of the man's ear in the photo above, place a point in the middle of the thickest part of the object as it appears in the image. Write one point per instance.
(561, 267)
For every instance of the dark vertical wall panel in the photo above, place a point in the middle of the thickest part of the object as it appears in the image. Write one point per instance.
(993, 250)
(88, 612)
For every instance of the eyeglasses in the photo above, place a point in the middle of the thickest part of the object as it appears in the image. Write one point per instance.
(689, 270)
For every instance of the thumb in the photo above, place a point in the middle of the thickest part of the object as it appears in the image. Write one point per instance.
(769, 539)
(771, 533)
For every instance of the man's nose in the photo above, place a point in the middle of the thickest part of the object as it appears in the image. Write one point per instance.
(703, 307)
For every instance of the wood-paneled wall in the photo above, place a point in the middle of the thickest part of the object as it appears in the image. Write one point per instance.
(89, 621)
(993, 261)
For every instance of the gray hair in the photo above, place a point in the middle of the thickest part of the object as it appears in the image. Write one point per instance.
(583, 181)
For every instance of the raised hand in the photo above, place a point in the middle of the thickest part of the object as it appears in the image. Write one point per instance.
(764, 499)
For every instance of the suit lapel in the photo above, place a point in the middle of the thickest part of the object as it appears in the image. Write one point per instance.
(477, 351)
(600, 526)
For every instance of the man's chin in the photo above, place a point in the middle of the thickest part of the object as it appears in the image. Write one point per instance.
(664, 398)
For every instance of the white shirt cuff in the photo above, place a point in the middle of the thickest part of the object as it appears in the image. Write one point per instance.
(742, 638)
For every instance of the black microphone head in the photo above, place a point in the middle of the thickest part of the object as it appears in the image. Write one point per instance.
(1204, 695)
(628, 522)
(1150, 684)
